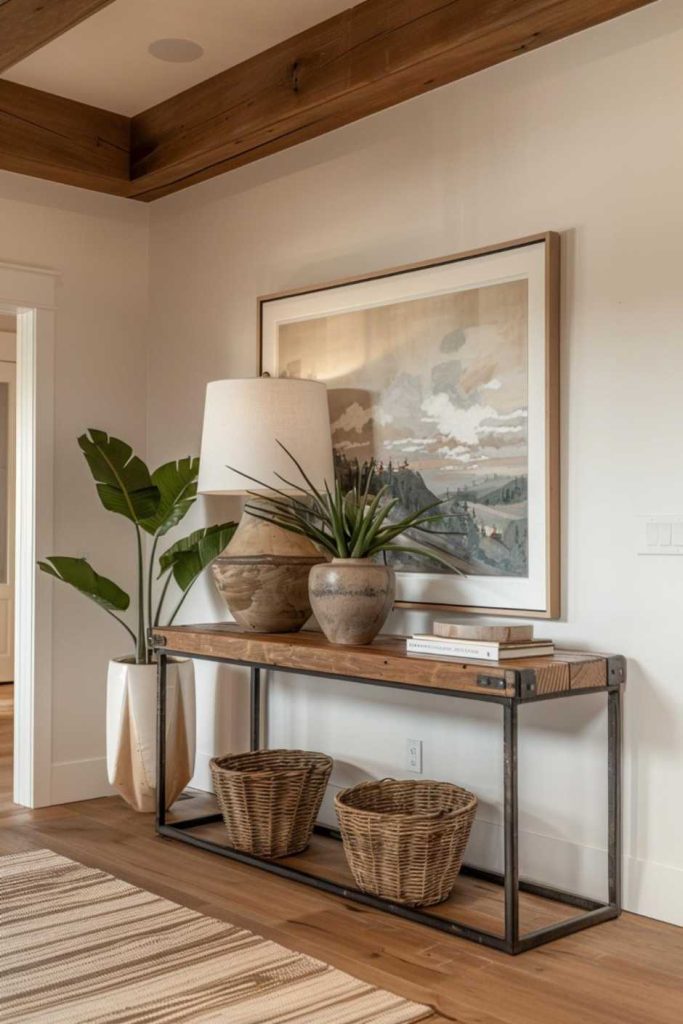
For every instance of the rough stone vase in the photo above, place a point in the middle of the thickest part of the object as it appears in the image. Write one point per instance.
(351, 598)
(263, 576)
(132, 730)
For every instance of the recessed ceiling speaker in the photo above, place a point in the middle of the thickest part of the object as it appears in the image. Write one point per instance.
(175, 51)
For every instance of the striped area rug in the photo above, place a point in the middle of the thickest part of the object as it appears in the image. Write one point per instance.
(77, 946)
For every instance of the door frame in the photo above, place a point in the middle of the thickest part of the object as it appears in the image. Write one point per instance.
(29, 293)
(8, 376)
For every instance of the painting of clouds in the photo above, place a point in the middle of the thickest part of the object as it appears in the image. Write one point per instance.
(433, 389)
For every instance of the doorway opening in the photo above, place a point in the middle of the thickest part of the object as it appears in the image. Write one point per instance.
(27, 309)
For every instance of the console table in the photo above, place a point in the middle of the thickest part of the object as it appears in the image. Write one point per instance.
(469, 913)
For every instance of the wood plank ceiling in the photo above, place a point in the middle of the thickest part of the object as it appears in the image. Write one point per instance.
(356, 63)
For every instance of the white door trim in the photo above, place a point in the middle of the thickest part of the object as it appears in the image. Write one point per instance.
(29, 293)
(8, 378)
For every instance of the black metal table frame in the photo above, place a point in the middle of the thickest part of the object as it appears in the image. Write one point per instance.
(594, 911)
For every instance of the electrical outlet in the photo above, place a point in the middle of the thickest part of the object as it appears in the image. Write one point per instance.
(414, 756)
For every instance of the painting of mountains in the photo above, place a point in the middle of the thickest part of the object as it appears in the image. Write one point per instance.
(434, 390)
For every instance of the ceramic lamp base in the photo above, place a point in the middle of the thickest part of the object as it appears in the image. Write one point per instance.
(263, 577)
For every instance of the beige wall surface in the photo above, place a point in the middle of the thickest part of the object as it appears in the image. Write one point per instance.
(8, 341)
(582, 137)
(98, 245)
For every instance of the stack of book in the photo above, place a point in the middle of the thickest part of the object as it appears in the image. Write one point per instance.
(479, 643)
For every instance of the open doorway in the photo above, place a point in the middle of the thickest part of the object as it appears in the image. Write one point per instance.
(27, 310)
(8, 368)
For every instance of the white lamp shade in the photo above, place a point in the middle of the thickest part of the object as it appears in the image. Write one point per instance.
(244, 420)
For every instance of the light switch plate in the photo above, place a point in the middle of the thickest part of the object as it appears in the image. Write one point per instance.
(661, 535)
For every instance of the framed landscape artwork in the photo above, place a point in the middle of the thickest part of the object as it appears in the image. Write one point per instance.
(445, 373)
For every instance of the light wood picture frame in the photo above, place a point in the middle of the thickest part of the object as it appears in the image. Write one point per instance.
(446, 372)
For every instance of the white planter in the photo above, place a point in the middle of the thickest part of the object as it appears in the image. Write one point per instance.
(132, 730)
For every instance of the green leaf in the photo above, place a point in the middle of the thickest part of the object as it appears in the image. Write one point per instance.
(336, 519)
(312, 488)
(313, 501)
(123, 481)
(177, 486)
(295, 525)
(444, 558)
(372, 523)
(188, 556)
(413, 520)
(79, 574)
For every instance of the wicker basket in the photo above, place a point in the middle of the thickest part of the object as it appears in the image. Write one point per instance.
(405, 840)
(270, 799)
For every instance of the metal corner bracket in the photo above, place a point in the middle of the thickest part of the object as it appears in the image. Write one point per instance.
(491, 682)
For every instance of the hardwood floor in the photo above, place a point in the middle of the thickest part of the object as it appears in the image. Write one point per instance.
(628, 971)
(6, 726)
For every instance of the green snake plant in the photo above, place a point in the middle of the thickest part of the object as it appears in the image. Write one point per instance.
(352, 523)
(153, 503)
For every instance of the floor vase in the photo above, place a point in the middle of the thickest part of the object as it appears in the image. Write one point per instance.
(132, 730)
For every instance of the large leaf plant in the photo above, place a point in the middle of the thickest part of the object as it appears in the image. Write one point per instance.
(153, 503)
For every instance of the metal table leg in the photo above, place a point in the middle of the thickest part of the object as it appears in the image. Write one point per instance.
(614, 743)
(161, 740)
(511, 825)
(607, 911)
(255, 711)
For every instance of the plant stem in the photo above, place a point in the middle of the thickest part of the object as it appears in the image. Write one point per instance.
(122, 623)
(142, 652)
(161, 600)
(150, 572)
(178, 606)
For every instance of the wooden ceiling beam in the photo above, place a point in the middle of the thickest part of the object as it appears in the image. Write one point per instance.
(359, 62)
(26, 25)
(50, 137)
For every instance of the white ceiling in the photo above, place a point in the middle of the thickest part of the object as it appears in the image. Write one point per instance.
(104, 60)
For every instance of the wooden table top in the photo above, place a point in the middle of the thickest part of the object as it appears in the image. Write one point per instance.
(386, 661)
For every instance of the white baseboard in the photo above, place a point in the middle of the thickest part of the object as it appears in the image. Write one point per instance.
(79, 780)
(654, 890)
(548, 859)
(87, 779)
(651, 889)
(202, 773)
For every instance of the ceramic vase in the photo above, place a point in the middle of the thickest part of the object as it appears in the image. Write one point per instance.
(132, 730)
(351, 598)
(263, 576)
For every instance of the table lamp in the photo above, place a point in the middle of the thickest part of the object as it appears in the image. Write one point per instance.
(263, 573)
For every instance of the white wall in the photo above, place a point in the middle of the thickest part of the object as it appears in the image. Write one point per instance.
(582, 137)
(99, 246)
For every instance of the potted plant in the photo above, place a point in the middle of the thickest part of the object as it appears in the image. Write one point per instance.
(153, 503)
(352, 593)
